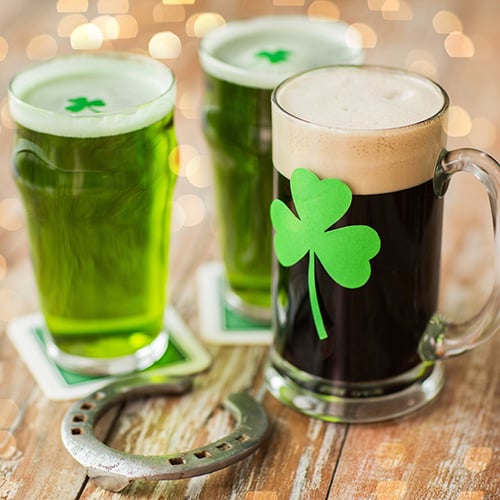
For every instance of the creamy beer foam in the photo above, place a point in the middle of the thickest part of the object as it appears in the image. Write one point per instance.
(236, 51)
(136, 92)
(379, 130)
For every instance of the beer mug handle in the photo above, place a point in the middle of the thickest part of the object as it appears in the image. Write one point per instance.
(443, 338)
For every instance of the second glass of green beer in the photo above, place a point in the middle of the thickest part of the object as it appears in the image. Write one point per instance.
(243, 61)
(91, 162)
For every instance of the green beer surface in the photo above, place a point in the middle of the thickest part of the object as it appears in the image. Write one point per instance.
(237, 123)
(97, 212)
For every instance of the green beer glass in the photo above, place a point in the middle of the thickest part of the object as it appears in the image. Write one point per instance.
(243, 61)
(91, 162)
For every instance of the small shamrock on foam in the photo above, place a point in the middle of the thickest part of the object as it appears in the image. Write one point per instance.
(276, 56)
(80, 103)
(344, 252)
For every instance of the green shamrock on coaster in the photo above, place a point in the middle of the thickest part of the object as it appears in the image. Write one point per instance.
(276, 56)
(344, 252)
(80, 103)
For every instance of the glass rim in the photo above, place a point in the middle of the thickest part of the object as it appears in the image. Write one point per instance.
(284, 83)
(238, 29)
(20, 107)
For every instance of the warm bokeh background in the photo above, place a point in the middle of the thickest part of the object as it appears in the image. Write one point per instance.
(456, 43)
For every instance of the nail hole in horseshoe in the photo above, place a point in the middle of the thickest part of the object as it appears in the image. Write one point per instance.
(79, 418)
(224, 446)
(87, 405)
(202, 454)
(77, 431)
(177, 461)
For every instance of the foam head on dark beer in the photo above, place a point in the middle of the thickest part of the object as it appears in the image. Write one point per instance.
(377, 129)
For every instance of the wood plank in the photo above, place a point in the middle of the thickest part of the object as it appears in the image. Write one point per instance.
(449, 448)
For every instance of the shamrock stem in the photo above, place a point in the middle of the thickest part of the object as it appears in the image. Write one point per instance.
(313, 298)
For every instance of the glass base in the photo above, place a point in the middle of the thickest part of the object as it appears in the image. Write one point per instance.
(289, 387)
(120, 365)
(255, 313)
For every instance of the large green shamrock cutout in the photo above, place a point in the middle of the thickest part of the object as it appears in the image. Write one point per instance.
(80, 103)
(344, 252)
(276, 56)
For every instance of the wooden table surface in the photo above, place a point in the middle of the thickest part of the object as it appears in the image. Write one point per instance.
(448, 450)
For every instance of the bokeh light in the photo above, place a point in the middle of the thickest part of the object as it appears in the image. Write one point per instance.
(187, 103)
(361, 35)
(193, 208)
(376, 4)
(422, 62)
(3, 267)
(459, 122)
(11, 214)
(128, 26)
(324, 8)
(11, 304)
(169, 13)
(446, 22)
(72, 5)
(288, 3)
(176, 2)
(4, 48)
(181, 156)
(86, 37)
(459, 45)
(69, 23)
(396, 10)
(109, 27)
(200, 24)
(165, 45)
(198, 171)
(483, 133)
(112, 6)
(41, 47)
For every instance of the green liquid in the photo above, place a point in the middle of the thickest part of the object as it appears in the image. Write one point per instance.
(98, 212)
(237, 124)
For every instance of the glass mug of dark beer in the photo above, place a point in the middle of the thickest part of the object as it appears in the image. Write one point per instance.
(91, 162)
(243, 61)
(357, 220)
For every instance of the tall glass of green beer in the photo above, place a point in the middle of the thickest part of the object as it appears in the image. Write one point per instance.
(91, 162)
(243, 61)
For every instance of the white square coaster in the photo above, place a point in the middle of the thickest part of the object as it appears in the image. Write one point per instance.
(184, 356)
(218, 323)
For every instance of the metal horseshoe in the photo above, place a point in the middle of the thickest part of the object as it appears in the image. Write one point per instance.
(113, 469)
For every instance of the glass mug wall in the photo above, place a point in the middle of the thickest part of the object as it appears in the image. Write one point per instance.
(91, 162)
(243, 61)
(358, 220)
